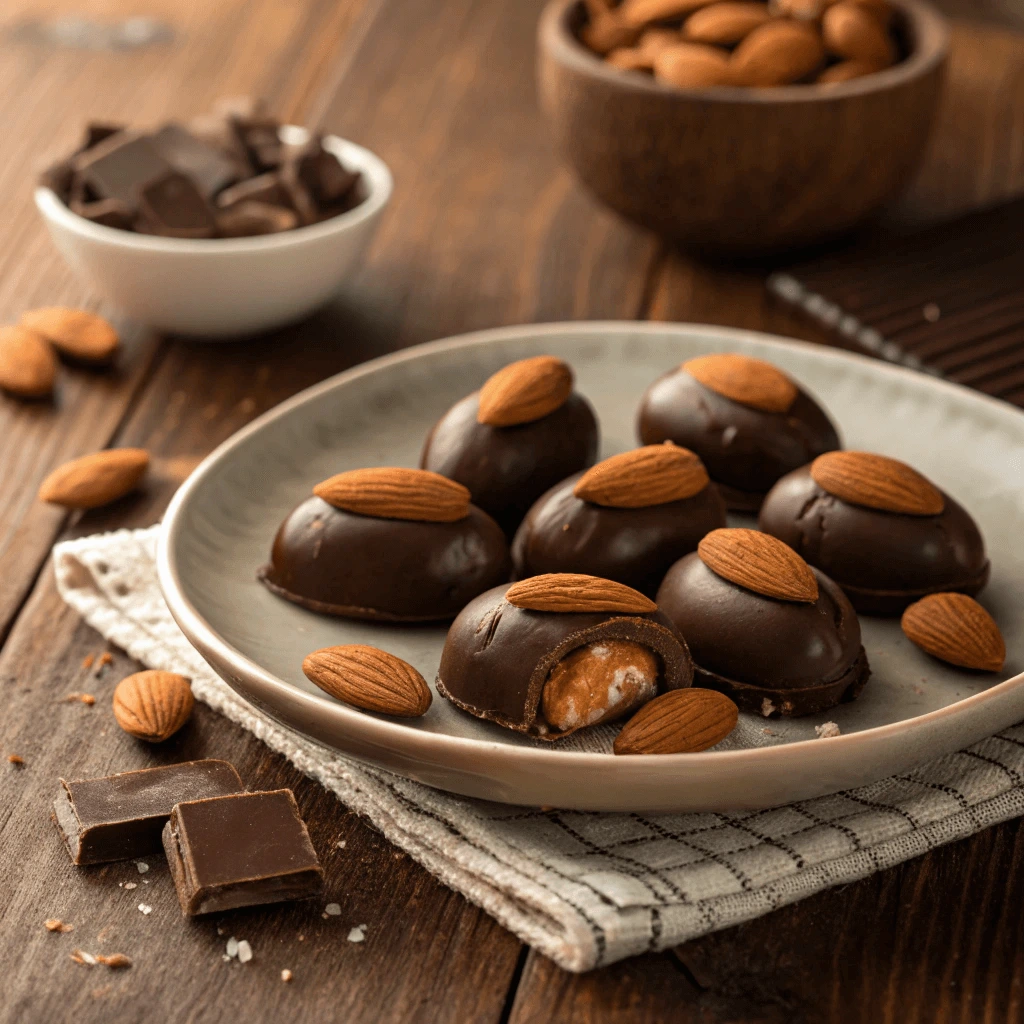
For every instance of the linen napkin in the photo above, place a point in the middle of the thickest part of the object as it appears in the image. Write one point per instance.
(584, 888)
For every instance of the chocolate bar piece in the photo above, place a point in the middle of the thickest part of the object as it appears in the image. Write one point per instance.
(240, 851)
(119, 166)
(209, 168)
(120, 816)
(173, 206)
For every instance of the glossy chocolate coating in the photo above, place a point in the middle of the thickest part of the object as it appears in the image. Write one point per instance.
(745, 450)
(497, 657)
(399, 570)
(883, 560)
(507, 468)
(802, 657)
(119, 817)
(635, 546)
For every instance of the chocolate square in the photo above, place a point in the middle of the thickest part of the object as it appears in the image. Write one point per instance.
(121, 816)
(209, 168)
(240, 851)
(172, 206)
(120, 166)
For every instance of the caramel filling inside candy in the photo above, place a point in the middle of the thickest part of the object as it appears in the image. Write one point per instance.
(597, 683)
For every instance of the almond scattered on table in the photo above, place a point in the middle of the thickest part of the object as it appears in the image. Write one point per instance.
(74, 332)
(153, 705)
(92, 481)
(28, 366)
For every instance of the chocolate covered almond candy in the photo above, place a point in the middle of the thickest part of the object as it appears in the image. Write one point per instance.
(772, 633)
(628, 518)
(522, 432)
(884, 532)
(749, 422)
(391, 544)
(557, 653)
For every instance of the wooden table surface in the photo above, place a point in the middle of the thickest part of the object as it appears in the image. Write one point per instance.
(484, 229)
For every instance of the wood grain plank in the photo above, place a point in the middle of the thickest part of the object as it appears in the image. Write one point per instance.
(235, 46)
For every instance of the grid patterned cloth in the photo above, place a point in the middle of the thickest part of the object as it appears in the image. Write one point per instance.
(584, 888)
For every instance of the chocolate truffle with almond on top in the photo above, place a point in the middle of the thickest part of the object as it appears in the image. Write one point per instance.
(885, 533)
(766, 629)
(629, 518)
(556, 653)
(748, 421)
(390, 544)
(522, 432)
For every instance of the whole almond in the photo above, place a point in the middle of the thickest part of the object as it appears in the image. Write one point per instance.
(396, 493)
(525, 391)
(760, 563)
(96, 479)
(778, 53)
(855, 33)
(678, 722)
(726, 23)
(692, 66)
(28, 366)
(955, 628)
(75, 332)
(640, 13)
(571, 592)
(369, 678)
(875, 481)
(751, 382)
(653, 475)
(605, 31)
(153, 705)
(846, 71)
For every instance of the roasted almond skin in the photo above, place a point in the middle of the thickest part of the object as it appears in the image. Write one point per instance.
(678, 722)
(95, 480)
(74, 332)
(153, 705)
(853, 32)
(750, 382)
(393, 492)
(955, 629)
(639, 13)
(779, 52)
(574, 592)
(370, 679)
(878, 482)
(692, 66)
(525, 391)
(653, 475)
(760, 563)
(725, 23)
(28, 366)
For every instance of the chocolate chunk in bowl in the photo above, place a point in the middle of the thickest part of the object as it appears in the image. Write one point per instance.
(560, 652)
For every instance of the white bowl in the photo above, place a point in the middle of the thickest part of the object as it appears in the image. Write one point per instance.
(224, 287)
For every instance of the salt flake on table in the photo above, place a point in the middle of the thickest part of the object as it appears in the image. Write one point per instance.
(244, 952)
(767, 707)
(142, 866)
(334, 909)
(145, 908)
(357, 934)
(827, 730)
(286, 975)
(131, 885)
(232, 946)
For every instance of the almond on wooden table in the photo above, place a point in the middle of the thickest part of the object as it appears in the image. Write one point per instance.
(525, 391)
(878, 482)
(28, 366)
(678, 722)
(750, 382)
(74, 332)
(653, 475)
(395, 492)
(95, 480)
(955, 629)
(153, 705)
(370, 679)
(760, 563)
(575, 592)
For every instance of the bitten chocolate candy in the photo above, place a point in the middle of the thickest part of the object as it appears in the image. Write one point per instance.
(506, 468)
(120, 816)
(749, 423)
(883, 560)
(770, 656)
(563, 532)
(369, 567)
(499, 660)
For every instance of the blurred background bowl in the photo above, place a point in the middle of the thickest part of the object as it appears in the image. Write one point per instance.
(741, 171)
(224, 287)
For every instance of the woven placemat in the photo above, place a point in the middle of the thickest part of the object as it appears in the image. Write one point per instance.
(948, 300)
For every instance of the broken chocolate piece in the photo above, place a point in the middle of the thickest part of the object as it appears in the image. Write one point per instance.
(240, 851)
(121, 816)
(323, 175)
(264, 188)
(173, 206)
(209, 169)
(120, 166)
(97, 131)
(253, 218)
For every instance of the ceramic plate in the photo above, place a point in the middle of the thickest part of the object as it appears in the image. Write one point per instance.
(220, 525)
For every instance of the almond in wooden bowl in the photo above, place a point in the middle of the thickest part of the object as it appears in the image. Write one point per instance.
(739, 171)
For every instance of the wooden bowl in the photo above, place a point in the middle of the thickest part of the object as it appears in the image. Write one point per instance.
(740, 171)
